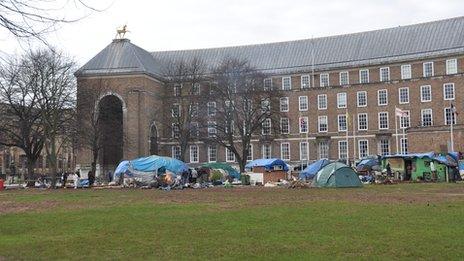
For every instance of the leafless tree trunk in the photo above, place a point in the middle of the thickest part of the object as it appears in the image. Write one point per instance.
(57, 103)
(20, 115)
(243, 108)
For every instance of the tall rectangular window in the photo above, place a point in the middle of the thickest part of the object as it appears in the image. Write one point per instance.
(177, 89)
(406, 72)
(451, 66)
(403, 94)
(284, 126)
(364, 76)
(428, 69)
(266, 150)
(303, 103)
(286, 83)
(384, 147)
(382, 97)
(448, 91)
(342, 149)
(450, 116)
(362, 98)
(404, 145)
(322, 120)
(212, 131)
(175, 110)
(426, 117)
(322, 101)
(211, 108)
(363, 148)
(304, 150)
(303, 124)
(385, 74)
(250, 152)
(342, 122)
(268, 84)
(212, 153)
(193, 153)
(230, 156)
(426, 93)
(175, 130)
(196, 88)
(362, 121)
(323, 150)
(405, 121)
(175, 152)
(344, 78)
(285, 151)
(305, 82)
(284, 104)
(324, 80)
(383, 120)
(341, 100)
(266, 127)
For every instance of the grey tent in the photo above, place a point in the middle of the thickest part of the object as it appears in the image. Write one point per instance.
(337, 175)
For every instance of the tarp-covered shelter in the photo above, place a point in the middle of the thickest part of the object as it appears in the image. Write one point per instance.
(149, 166)
(268, 164)
(233, 173)
(311, 170)
(420, 166)
(337, 175)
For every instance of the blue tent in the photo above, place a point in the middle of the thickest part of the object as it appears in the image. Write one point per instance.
(310, 171)
(268, 164)
(150, 164)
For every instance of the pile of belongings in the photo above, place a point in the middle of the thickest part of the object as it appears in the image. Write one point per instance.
(298, 184)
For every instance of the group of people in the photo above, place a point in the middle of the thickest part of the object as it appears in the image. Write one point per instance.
(77, 178)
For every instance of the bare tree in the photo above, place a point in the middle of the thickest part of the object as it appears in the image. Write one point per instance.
(244, 109)
(20, 116)
(187, 80)
(57, 103)
(34, 18)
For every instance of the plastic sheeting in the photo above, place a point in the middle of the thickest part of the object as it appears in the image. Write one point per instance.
(268, 164)
(224, 166)
(150, 166)
(311, 170)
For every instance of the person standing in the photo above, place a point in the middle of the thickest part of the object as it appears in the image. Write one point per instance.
(76, 177)
(91, 177)
(110, 176)
(64, 179)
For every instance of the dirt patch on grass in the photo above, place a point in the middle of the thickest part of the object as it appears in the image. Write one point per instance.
(238, 197)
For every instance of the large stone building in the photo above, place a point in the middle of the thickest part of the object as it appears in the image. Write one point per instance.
(418, 69)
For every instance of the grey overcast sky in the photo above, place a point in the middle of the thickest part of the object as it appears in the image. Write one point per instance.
(189, 24)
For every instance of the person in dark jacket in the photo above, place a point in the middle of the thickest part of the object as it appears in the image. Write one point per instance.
(91, 177)
(64, 179)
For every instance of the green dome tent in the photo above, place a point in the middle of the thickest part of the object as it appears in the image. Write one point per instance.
(337, 175)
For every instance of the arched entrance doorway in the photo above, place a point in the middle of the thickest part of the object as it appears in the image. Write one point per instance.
(153, 140)
(111, 136)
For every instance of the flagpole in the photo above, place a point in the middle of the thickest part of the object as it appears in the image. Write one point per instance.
(347, 141)
(354, 140)
(453, 109)
(396, 131)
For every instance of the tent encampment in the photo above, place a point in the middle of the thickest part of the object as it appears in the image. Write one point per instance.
(224, 166)
(310, 171)
(337, 175)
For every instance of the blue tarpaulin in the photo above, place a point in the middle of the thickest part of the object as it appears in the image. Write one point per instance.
(310, 171)
(151, 164)
(268, 164)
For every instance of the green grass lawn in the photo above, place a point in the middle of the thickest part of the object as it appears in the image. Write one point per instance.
(407, 221)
